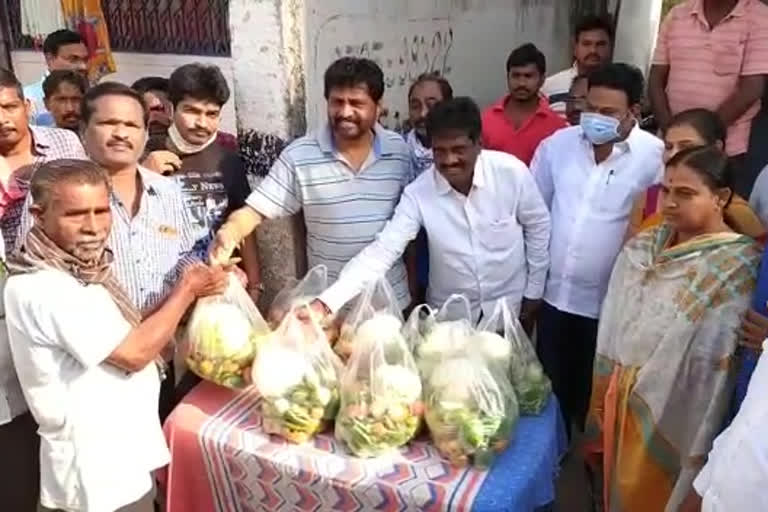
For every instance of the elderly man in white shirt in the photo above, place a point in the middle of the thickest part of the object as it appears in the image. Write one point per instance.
(588, 176)
(736, 473)
(487, 225)
(84, 356)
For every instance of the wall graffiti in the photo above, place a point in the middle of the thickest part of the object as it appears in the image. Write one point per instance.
(402, 62)
(413, 56)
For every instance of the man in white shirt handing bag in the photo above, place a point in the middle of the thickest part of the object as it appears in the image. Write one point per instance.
(486, 222)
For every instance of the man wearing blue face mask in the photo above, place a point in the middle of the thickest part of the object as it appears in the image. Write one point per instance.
(588, 175)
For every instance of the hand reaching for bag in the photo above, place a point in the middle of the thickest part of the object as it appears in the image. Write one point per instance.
(224, 244)
(318, 312)
(202, 281)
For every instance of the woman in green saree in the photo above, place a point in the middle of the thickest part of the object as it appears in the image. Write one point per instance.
(663, 371)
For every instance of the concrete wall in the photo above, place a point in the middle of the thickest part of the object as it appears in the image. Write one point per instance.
(269, 80)
(29, 67)
(636, 32)
(466, 40)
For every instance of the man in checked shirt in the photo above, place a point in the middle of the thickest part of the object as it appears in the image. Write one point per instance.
(24, 148)
(152, 235)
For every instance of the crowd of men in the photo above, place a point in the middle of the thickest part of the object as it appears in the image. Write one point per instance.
(121, 205)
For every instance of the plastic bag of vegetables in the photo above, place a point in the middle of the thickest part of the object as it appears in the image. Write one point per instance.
(298, 293)
(381, 403)
(297, 375)
(375, 309)
(223, 335)
(471, 410)
(433, 335)
(531, 384)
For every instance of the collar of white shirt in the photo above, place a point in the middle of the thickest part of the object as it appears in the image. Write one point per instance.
(442, 187)
(624, 145)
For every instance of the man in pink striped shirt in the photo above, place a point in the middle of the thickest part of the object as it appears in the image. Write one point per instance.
(714, 54)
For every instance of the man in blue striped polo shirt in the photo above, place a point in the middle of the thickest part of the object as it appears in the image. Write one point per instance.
(347, 178)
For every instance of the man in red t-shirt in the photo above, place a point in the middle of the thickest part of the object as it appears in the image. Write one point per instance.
(519, 121)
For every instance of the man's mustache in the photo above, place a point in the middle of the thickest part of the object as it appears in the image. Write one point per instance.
(119, 143)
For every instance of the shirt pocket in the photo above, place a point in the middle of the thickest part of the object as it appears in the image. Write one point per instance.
(501, 234)
(615, 198)
(162, 246)
(727, 58)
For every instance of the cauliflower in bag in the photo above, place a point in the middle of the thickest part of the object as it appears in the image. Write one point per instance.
(297, 375)
(223, 335)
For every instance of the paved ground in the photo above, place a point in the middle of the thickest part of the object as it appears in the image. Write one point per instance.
(572, 484)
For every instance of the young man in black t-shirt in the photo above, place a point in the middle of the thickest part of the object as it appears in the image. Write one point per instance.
(212, 176)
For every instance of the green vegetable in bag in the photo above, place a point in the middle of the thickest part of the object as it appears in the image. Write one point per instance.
(223, 335)
(471, 411)
(380, 389)
(296, 373)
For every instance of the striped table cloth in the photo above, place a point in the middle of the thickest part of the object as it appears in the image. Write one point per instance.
(221, 461)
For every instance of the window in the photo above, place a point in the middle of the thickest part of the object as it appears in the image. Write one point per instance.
(197, 27)
(194, 27)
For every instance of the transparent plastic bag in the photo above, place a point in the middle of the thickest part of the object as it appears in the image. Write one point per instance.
(223, 335)
(301, 293)
(297, 375)
(375, 312)
(471, 411)
(298, 292)
(381, 403)
(531, 384)
(433, 335)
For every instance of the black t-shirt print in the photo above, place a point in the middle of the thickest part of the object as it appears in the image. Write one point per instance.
(214, 184)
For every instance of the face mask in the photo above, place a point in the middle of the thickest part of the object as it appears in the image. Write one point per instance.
(599, 129)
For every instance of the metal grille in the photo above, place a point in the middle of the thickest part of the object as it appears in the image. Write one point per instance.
(197, 27)
(194, 27)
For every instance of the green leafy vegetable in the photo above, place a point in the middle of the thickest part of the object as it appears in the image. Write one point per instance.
(297, 378)
(471, 411)
(381, 390)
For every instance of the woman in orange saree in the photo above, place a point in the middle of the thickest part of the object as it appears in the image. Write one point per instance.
(662, 376)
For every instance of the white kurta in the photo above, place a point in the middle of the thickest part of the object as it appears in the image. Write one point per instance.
(736, 473)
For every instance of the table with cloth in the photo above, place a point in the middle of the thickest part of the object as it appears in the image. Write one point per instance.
(221, 461)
